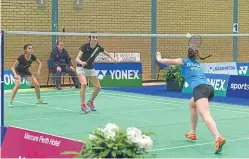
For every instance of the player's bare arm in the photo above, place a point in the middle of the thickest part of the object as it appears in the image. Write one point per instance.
(107, 54)
(13, 68)
(168, 61)
(78, 58)
(39, 66)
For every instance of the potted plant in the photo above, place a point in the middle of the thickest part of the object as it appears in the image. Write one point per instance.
(114, 142)
(173, 78)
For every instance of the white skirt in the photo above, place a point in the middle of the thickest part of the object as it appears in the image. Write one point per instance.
(87, 72)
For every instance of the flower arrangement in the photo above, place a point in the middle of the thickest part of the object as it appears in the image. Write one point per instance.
(114, 142)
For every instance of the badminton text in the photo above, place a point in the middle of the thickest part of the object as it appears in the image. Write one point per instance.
(42, 139)
(124, 74)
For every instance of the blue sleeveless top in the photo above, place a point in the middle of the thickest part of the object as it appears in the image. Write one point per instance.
(193, 73)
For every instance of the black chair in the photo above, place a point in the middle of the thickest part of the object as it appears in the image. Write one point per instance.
(63, 74)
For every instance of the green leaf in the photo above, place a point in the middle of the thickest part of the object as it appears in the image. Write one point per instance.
(104, 153)
(114, 154)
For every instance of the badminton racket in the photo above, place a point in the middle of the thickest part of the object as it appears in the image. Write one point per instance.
(195, 41)
(94, 52)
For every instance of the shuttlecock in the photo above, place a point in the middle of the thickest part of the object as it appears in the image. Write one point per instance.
(188, 35)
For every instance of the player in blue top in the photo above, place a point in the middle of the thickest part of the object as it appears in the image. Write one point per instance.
(203, 93)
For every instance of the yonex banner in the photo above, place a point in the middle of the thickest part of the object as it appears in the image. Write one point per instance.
(119, 74)
(243, 68)
(218, 81)
(238, 86)
(9, 81)
(23, 143)
(229, 68)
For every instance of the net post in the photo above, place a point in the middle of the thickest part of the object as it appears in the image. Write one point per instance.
(54, 22)
(2, 78)
(154, 38)
(235, 31)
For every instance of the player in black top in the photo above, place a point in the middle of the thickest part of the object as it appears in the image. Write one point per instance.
(20, 70)
(86, 70)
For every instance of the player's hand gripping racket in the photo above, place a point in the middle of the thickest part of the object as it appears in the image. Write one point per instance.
(94, 52)
(195, 41)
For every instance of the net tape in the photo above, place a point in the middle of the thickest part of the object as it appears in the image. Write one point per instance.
(120, 34)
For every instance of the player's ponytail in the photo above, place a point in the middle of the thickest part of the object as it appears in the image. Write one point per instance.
(192, 53)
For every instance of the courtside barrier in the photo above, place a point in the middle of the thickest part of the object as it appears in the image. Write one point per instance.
(226, 85)
(218, 81)
(121, 74)
(238, 86)
(229, 68)
(9, 81)
(24, 143)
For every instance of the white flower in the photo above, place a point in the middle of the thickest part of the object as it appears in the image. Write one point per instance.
(111, 127)
(133, 133)
(147, 142)
(136, 136)
(92, 137)
(109, 131)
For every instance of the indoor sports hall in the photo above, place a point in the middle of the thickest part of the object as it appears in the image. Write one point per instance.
(138, 93)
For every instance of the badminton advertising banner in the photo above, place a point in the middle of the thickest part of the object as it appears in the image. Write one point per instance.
(124, 74)
(238, 87)
(22, 143)
(9, 81)
(229, 68)
(218, 81)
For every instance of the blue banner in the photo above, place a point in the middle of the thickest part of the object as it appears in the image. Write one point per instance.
(238, 86)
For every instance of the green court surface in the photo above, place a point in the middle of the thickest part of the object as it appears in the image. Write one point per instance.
(168, 118)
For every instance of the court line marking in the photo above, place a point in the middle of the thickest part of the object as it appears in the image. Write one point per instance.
(56, 108)
(138, 97)
(71, 110)
(158, 101)
(104, 114)
(187, 146)
(177, 100)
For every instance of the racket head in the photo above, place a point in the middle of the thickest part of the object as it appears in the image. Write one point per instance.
(195, 41)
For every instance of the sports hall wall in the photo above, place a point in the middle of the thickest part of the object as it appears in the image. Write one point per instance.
(126, 16)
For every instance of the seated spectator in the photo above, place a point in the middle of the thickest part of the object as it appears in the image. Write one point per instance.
(61, 62)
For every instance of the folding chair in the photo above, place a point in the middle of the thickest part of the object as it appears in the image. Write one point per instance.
(62, 74)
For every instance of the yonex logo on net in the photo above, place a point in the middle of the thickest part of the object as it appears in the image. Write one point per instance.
(243, 70)
(244, 86)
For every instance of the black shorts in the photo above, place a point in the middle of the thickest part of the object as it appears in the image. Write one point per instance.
(203, 91)
(23, 73)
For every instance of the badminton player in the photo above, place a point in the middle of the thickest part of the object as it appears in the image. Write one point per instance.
(85, 69)
(203, 93)
(20, 70)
